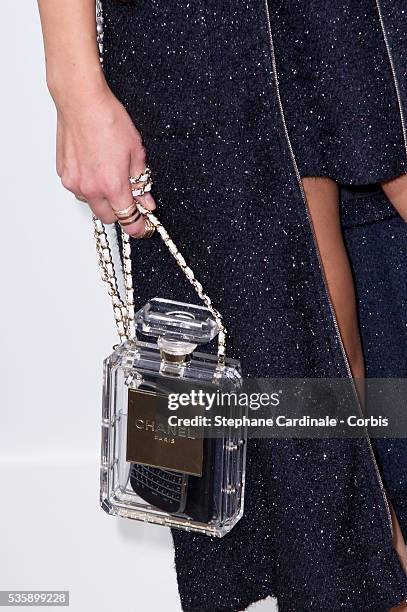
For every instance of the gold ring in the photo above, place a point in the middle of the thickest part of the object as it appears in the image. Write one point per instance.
(125, 212)
(130, 220)
(149, 228)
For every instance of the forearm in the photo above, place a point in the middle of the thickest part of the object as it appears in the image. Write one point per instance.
(71, 53)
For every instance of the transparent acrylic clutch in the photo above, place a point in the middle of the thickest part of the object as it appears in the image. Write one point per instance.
(156, 472)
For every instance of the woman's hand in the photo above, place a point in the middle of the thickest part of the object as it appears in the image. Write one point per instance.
(98, 148)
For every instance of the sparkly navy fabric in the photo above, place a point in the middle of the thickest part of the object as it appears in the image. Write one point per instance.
(338, 88)
(196, 77)
(378, 252)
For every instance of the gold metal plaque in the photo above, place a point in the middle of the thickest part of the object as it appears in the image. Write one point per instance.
(152, 441)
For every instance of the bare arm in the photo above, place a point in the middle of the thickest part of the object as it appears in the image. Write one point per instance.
(98, 146)
(71, 53)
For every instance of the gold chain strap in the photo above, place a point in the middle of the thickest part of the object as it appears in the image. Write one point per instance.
(124, 310)
(108, 274)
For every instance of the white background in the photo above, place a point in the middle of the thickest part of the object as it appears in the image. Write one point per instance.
(56, 327)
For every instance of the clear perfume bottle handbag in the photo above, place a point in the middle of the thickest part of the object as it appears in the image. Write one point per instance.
(152, 469)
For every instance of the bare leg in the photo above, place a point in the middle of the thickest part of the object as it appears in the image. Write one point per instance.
(396, 191)
(323, 203)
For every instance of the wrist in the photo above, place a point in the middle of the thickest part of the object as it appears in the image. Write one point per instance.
(72, 85)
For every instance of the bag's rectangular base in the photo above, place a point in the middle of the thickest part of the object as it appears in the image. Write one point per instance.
(156, 472)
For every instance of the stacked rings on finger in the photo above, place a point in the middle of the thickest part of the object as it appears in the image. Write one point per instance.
(149, 228)
(141, 184)
(128, 215)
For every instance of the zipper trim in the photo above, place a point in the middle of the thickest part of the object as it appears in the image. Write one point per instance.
(294, 162)
(393, 70)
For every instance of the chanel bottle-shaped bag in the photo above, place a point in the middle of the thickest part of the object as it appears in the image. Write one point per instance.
(153, 468)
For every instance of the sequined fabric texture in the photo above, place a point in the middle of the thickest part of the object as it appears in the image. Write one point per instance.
(196, 78)
(338, 87)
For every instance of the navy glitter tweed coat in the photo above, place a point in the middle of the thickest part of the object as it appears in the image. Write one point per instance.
(199, 80)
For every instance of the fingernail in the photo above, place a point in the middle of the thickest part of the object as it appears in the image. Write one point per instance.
(149, 201)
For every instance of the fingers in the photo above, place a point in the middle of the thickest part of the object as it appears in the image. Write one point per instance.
(102, 210)
(147, 201)
(139, 228)
(137, 167)
(109, 191)
(138, 164)
(98, 192)
(131, 220)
